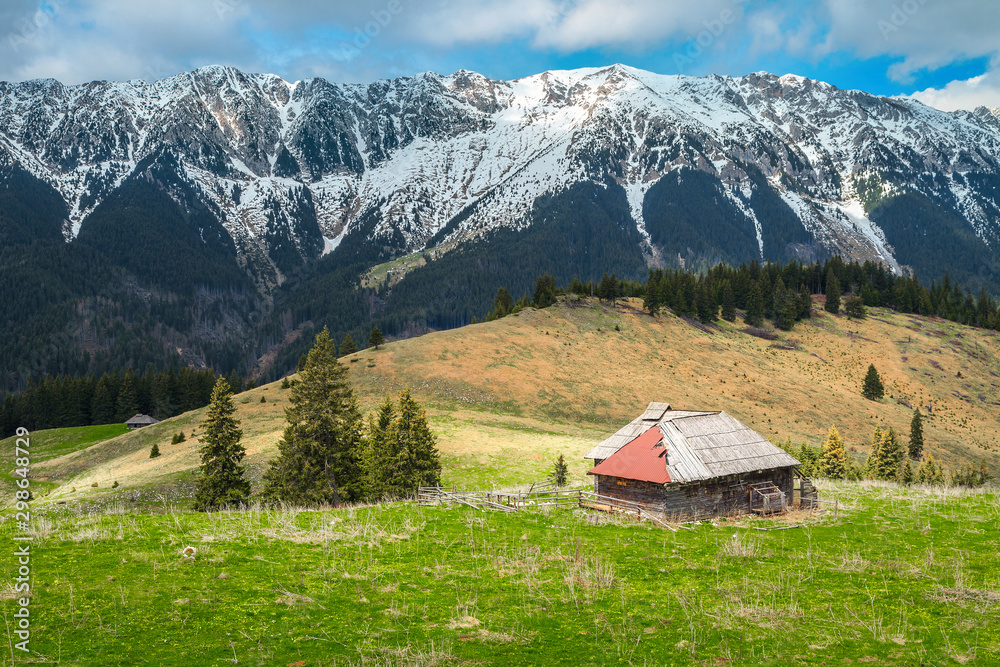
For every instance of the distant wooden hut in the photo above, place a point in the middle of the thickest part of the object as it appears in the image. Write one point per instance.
(691, 465)
(141, 420)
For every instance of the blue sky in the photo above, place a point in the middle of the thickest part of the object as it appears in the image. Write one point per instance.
(944, 52)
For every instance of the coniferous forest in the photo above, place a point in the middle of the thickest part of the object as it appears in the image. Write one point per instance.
(57, 402)
(151, 286)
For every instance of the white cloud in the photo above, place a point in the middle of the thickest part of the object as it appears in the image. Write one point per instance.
(81, 40)
(926, 34)
(981, 90)
(595, 23)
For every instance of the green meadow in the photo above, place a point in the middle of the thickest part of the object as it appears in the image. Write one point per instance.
(899, 576)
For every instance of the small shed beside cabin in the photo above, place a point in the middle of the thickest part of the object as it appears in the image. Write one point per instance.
(692, 465)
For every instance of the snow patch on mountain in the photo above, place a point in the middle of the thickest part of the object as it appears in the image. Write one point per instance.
(412, 153)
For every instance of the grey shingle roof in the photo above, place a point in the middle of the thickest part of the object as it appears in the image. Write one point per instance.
(700, 445)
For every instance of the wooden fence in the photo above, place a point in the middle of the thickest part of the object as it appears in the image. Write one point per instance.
(548, 494)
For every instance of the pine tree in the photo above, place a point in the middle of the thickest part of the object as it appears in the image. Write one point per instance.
(317, 461)
(705, 304)
(755, 305)
(834, 457)
(376, 338)
(102, 407)
(560, 471)
(222, 482)
(347, 346)
(786, 306)
(503, 303)
(651, 301)
(545, 291)
(874, 455)
(930, 471)
(805, 304)
(890, 457)
(916, 435)
(907, 477)
(832, 293)
(379, 453)
(417, 462)
(855, 307)
(155, 451)
(728, 302)
(872, 388)
(127, 404)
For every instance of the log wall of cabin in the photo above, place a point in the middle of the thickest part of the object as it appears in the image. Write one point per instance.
(633, 490)
(720, 496)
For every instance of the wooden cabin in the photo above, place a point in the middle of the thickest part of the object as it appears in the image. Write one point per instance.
(141, 420)
(691, 465)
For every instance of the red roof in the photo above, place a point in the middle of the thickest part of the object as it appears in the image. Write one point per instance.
(640, 459)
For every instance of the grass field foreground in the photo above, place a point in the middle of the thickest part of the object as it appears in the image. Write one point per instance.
(901, 576)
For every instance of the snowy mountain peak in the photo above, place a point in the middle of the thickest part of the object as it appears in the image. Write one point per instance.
(439, 159)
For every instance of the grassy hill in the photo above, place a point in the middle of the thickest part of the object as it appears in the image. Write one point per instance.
(507, 397)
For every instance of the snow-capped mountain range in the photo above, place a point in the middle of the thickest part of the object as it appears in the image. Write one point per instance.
(297, 166)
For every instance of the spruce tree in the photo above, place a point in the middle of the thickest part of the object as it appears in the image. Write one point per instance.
(155, 451)
(890, 457)
(317, 461)
(755, 305)
(378, 455)
(545, 291)
(707, 309)
(503, 303)
(786, 306)
(651, 301)
(376, 338)
(907, 477)
(916, 435)
(855, 307)
(417, 463)
(347, 346)
(832, 304)
(834, 457)
(102, 406)
(127, 404)
(874, 456)
(222, 482)
(872, 388)
(728, 302)
(560, 471)
(930, 471)
(805, 304)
